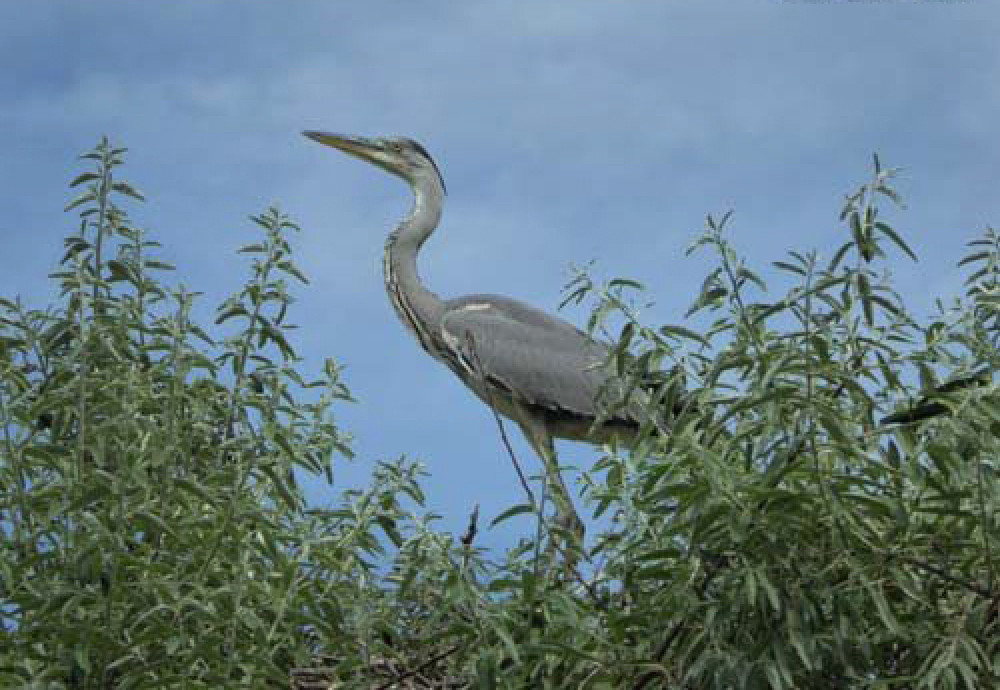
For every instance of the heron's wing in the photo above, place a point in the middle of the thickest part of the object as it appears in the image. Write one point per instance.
(540, 359)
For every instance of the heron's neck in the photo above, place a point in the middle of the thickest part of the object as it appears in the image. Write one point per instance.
(418, 308)
(428, 198)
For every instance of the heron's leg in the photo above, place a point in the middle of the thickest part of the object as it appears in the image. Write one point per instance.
(566, 515)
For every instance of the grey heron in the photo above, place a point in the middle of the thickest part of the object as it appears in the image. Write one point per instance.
(532, 367)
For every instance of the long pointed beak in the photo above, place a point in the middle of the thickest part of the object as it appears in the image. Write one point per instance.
(359, 147)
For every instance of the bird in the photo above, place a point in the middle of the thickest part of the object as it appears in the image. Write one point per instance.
(534, 368)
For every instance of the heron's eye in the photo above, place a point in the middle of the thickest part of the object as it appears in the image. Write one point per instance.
(395, 146)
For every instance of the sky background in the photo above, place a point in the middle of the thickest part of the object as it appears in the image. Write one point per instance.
(566, 131)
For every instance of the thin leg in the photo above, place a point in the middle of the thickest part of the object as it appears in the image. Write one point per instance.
(566, 515)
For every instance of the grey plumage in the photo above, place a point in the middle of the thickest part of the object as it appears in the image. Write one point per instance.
(539, 361)
(532, 367)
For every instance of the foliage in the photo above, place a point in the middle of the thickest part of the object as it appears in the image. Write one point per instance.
(768, 532)
(154, 535)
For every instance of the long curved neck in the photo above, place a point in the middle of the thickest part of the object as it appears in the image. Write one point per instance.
(418, 308)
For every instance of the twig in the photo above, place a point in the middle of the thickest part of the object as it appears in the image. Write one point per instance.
(409, 674)
(671, 637)
(944, 575)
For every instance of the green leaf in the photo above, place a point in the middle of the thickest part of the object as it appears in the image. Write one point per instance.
(838, 256)
(127, 189)
(519, 509)
(120, 271)
(80, 199)
(752, 277)
(625, 282)
(292, 269)
(628, 330)
(865, 293)
(977, 256)
(388, 526)
(789, 267)
(83, 177)
(682, 332)
(896, 239)
(230, 312)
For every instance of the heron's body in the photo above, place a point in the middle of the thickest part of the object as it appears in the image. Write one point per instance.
(528, 365)
(537, 366)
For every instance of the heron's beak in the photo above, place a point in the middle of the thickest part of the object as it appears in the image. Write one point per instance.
(359, 147)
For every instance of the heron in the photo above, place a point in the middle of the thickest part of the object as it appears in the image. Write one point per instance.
(529, 366)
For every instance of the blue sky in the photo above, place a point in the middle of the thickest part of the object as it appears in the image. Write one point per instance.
(567, 131)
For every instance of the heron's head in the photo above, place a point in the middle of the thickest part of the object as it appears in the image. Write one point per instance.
(399, 155)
